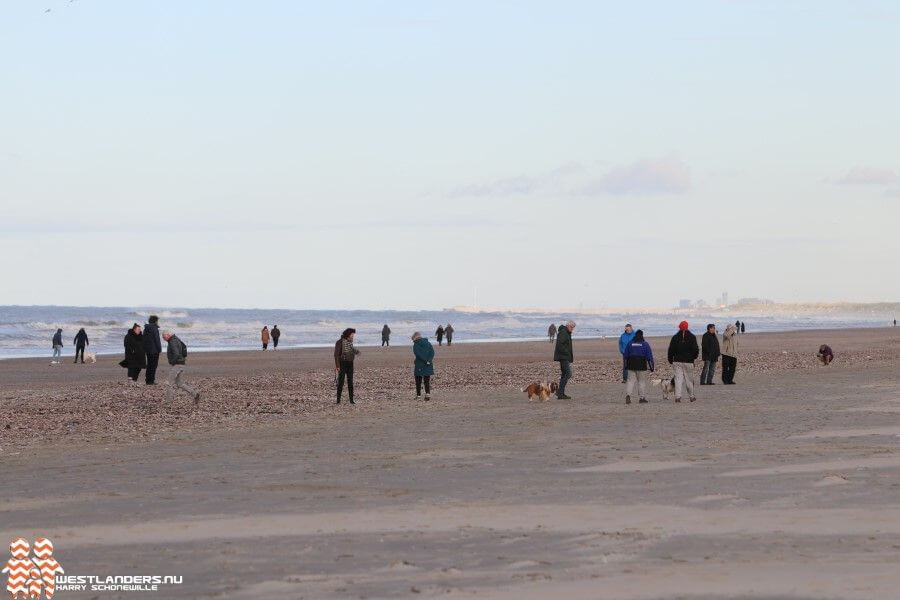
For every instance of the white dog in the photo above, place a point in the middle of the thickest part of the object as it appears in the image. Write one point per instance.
(90, 357)
(666, 385)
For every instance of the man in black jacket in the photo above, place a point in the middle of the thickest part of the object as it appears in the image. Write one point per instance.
(709, 347)
(80, 341)
(153, 347)
(563, 354)
(683, 351)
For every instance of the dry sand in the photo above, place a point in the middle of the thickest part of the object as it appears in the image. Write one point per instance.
(786, 485)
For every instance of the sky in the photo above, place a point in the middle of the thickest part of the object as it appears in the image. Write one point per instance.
(420, 155)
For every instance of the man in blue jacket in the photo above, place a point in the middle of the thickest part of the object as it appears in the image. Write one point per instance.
(624, 340)
(638, 360)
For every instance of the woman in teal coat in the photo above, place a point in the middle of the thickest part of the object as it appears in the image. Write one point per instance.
(424, 364)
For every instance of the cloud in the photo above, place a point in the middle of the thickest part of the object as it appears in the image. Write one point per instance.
(869, 176)
(666, 175)
(520, 185)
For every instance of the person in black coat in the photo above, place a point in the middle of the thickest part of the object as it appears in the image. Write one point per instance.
(80, 341)
(709, 348)
(683, 351)
(135, 355)
(153, 348)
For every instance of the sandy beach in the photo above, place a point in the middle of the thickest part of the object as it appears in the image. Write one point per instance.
(783, 486)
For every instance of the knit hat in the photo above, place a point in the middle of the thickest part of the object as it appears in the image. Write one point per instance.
(683, 326)
(416, 336)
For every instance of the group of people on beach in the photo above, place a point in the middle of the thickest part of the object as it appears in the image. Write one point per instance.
(266, 335)
(142, 350)
(81, 342)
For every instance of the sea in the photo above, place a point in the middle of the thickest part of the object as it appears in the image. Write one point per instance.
(27, 331)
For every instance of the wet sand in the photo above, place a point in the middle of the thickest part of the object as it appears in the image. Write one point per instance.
(786, 485)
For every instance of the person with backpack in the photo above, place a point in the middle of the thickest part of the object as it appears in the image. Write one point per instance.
(709, 347)
(344, 356)
(80, 341)
(423, 366)
(176, 353)
(638, 360)
(564, 355)
(153, 348)
(57, 346)
(276, 333)
(683, 351)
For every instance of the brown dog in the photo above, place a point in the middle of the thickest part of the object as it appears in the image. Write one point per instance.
(540, 389)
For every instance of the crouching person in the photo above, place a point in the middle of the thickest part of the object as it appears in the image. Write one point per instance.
(176, 352)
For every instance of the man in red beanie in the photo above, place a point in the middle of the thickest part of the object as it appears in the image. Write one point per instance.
(683, 351)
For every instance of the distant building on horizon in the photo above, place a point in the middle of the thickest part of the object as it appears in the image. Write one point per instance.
(684, 303)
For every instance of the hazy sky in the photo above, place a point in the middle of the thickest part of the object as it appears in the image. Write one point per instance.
(403, 154)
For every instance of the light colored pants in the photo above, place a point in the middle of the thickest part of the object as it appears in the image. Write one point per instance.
(57, 351)
(684, 375)
(641, 377)
(176, 380)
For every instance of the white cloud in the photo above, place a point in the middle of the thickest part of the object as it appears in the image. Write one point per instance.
(521, 185)
(869, 176)
(665, 175)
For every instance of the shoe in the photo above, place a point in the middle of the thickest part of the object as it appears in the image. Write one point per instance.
(677, 399)
(627, 399)
(701, 383)
(427, 397)
(351, 401)
(418, 397)
(196, 397)
(338, 401)
(710, 383)
(563, 397)
(642, 401)
(693, 398)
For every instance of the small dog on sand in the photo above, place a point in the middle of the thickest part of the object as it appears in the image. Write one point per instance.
(91, 357)
(666, 385)
(541, 389)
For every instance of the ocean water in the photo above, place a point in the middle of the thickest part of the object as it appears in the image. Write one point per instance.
(28, 330)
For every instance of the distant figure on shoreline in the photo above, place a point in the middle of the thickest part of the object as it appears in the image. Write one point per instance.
(638, 360)
(729, 354)
(344, 356)
(153, 348)
(737, 326)
(439, 334)
(423, 366)
(57, 347)
(624, 340)
(551, 332)
(895, 322)
(135, 356)
(709, 352)
(264, 336)
(176, 353)
(565, 356)
(743, 327)
(276, 333)
(81, 341)
(385, 336)
(448, 331)
(683, 351)
(825, 354)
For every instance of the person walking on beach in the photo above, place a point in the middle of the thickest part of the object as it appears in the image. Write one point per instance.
(448, 331)
(737, 326)
(423, 366)
(729, 354)
(176, 353)
(709, 347)
(344, 356)
(743, 327)
(551, 332)
(385, 336)
(638, 360)
(57, 347)
(683, 351)
(564, 355)
(264, 336)
(81, 342)
(439, 333)
(153, 348)
(825, 354)
(135, 355)
(624, 340)
(276, 333)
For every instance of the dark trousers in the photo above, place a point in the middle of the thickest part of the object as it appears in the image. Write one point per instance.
(449, 340)
(440, 340)
(152, 363)
(134, 373)
(265, 345)
(709, 369)
(729, 366)
(346, 372)
(274, 342)
(565, 373)
(419, 384)
(79, 351)
(385, 342)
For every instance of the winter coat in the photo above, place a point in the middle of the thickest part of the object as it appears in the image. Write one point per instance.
(710, 346)
(340, 355)
(264, 336)
(730, 342)
(551, 331)
(439, 332)
(638, 356)
(135, 356)
(624, 340)
(424, 353)
(683, 347)
(57, 339)
(175, 351)
(385, 333)
(563, 349)
(81, 339)
(152, 343)
(448, 331)
(276, 333)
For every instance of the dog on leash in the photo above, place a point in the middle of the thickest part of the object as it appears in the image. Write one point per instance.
(540, 389)
(666, 385)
